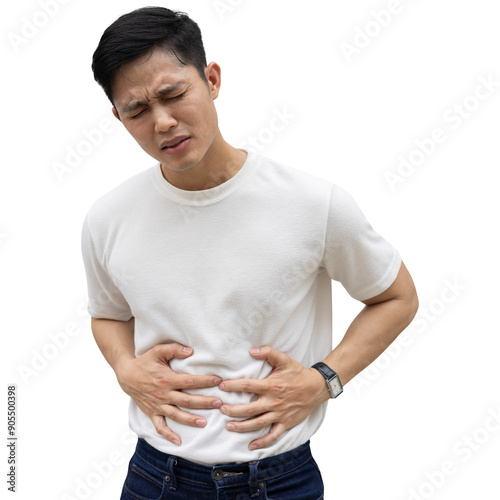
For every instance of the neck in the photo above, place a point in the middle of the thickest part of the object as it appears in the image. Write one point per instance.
(221, 162)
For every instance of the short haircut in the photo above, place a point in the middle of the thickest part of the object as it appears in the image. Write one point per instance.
(137, 33)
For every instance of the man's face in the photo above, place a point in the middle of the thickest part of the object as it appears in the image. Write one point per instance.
(168, 108)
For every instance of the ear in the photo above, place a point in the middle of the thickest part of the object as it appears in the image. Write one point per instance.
(213, 74)
(115, 113)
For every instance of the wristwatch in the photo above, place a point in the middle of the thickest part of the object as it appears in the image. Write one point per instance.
(333, 382)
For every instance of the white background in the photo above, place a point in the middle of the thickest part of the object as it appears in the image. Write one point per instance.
(427, 403)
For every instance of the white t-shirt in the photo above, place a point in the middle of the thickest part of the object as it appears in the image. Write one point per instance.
(245, 264)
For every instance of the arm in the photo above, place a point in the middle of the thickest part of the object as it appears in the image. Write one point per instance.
(290, 394)
(375, 327)
(148, 379)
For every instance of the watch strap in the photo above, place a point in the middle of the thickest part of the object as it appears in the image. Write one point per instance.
(329, 375)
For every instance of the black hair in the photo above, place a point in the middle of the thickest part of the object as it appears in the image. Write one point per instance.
(138, 32)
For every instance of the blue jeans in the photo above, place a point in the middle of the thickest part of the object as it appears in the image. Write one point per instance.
(153, 475)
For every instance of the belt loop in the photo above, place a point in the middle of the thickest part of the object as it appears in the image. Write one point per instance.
(253, 481)
(170, 476)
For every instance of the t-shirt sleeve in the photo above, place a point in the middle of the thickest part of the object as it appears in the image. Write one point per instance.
(105, 299)
(355, 255)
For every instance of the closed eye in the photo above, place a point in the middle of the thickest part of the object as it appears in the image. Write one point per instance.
(137, 115)
(175, 97)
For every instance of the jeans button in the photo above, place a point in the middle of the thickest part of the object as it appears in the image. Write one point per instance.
(167, 478)
(218, 474)
(261, 485)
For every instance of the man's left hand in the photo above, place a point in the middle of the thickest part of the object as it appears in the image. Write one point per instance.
(285, 398)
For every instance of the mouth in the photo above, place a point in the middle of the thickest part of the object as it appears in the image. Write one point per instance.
(174, 143)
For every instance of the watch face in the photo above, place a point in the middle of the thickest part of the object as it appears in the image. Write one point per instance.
(336, 386)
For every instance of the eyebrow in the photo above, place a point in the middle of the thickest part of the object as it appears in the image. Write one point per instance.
(164, 91)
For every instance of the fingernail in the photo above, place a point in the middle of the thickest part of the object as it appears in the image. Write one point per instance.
(254, 350)
(253, 447)
(186, 349)
(176, 442)
(217, 381)
(201, 422)
(217, 404)
(223, 410)
(231, 427)
(221, 387)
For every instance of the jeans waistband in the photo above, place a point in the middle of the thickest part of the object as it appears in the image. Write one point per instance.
(224, 474)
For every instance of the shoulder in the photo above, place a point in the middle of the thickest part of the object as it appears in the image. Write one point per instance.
(293, 178)
(306, 189)
(121, 200)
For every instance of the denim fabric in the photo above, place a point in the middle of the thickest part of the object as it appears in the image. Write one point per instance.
(153, 475)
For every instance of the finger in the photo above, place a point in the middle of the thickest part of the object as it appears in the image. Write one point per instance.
(185, 381)
(252, 424)
(185, 400)
(244, 411)
(270, 438)
(165, 431)
(182, 399)
(244, 385)
(182, 417)
(274, 357)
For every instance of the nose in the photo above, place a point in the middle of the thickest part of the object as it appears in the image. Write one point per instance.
(163, 119)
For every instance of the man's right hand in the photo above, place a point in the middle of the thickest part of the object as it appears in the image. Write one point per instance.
(157, 389)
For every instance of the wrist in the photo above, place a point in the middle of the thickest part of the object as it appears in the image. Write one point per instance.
(122, 366)
(320, 387)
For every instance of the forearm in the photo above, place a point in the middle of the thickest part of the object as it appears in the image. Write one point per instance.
(369, 335)
(115, 340)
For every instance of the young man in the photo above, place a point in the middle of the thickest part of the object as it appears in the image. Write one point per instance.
(209, 279)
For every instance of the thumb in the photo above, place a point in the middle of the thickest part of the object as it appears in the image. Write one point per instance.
(274, 357)
(172, 350)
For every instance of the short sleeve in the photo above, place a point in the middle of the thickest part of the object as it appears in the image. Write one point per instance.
(105, 299)
(355, 255)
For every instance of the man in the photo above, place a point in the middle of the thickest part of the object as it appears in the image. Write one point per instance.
(209, 280)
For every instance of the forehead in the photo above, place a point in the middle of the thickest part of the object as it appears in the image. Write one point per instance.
(143, 77)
